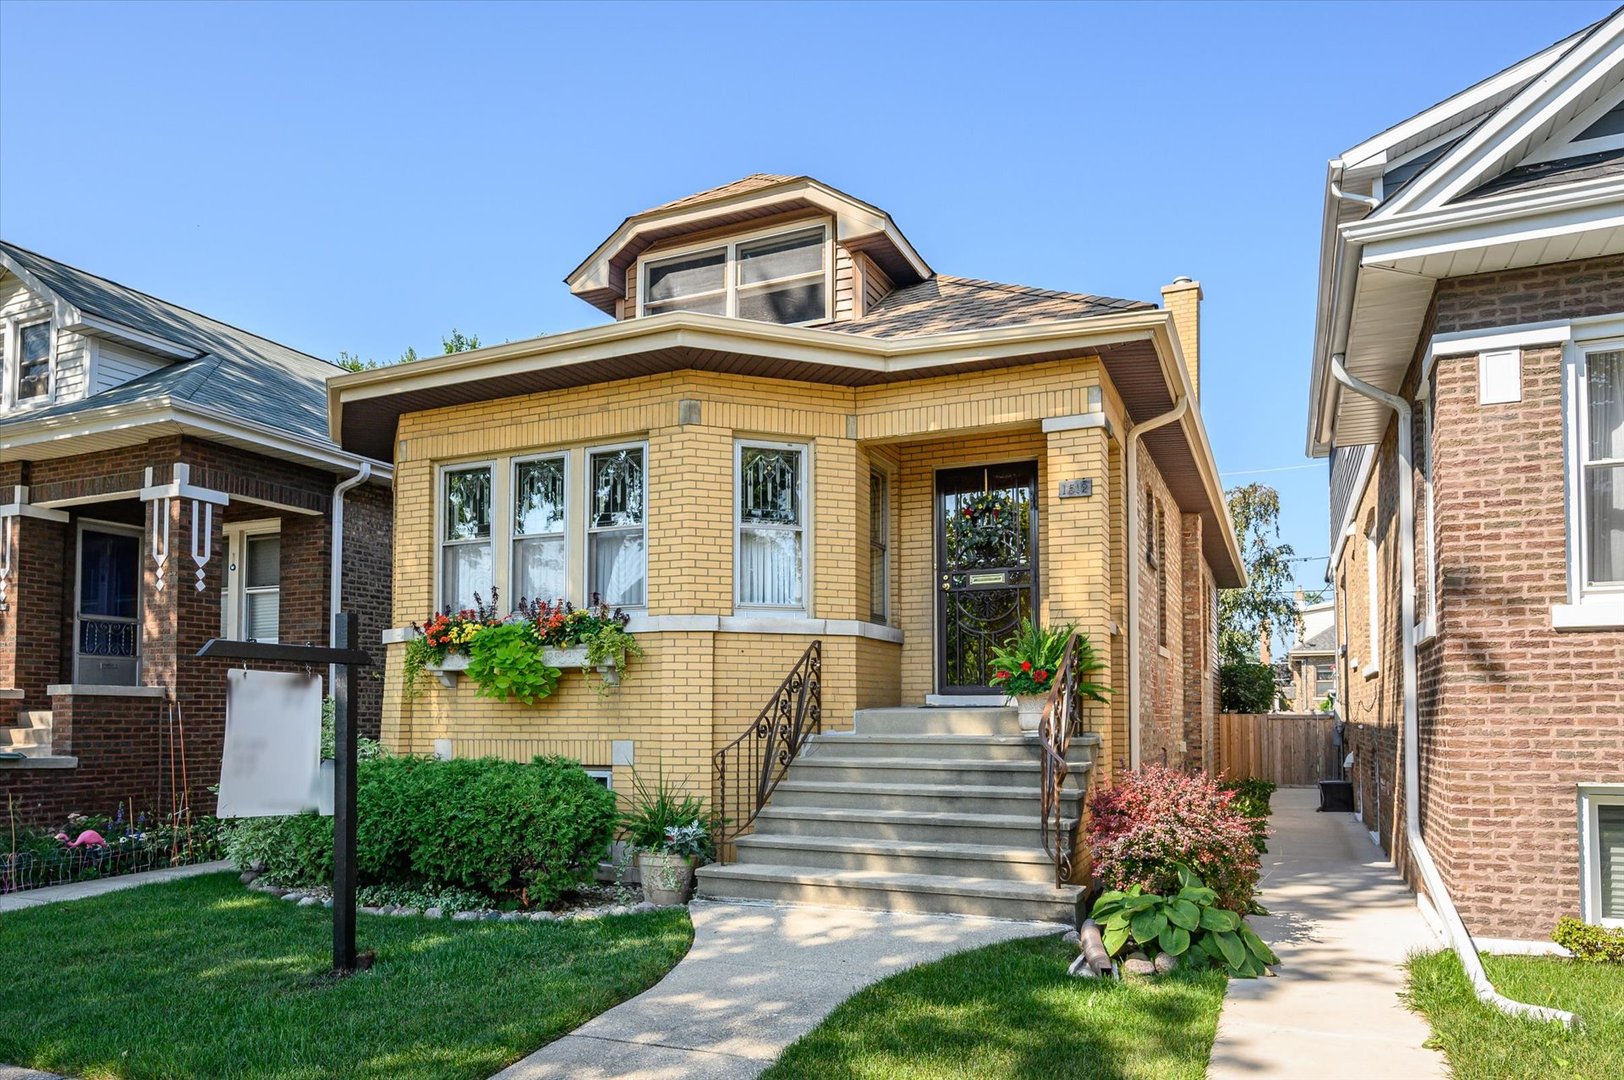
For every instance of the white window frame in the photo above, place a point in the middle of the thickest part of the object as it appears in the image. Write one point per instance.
(805, 528)
(1576, 415)
(11, 357)
(1373, 601)
(513, 536)
(1591, 798)
(499, 524)
(879, 608)
(235, 608)
(1427, 626)
(730, 285)
(593, 529)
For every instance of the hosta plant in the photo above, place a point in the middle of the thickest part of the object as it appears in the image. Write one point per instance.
(1187, 923)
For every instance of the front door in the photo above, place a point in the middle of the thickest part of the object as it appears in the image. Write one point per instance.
(105, 629)
(986, 568)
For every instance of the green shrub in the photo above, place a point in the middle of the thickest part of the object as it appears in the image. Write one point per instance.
(1246, 687)
(499, 828)
(1596, 944)
(1250, 799)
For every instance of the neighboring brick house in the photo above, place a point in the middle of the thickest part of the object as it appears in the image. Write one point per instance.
(1472, 265)
(779, 340)
(1311, 659)
(164, 479)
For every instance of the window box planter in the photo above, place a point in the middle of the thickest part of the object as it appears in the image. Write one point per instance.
(448, 671)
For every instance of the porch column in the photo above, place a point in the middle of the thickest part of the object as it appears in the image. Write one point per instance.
(1077, 553)
(33, 560)
(183, 556)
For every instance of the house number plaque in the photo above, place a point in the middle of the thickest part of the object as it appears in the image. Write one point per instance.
(1076, 489)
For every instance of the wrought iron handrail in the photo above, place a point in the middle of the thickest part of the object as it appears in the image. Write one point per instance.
(749, 768)
(1062, 718)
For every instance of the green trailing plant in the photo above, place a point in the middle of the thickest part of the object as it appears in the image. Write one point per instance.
(1588, 942)
(1188, 923)
(505, 662)
(609, 646)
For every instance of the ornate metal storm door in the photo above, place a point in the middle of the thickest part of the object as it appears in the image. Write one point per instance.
(986, 567)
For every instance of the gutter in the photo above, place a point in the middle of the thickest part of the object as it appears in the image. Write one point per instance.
(1455, 930)
(335, 597)
(1131, 449)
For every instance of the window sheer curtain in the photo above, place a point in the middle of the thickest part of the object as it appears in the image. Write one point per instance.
(1604, 467)
(465, 567)
(616, 549)
(771, 556)
(538, 528)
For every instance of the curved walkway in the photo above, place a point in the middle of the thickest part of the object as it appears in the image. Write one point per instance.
(1342, 923)
(759, 976)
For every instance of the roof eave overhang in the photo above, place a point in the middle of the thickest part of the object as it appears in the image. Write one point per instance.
(856, 223)
(133, 423)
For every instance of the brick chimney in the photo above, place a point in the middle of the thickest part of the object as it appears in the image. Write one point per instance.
(1183, 299)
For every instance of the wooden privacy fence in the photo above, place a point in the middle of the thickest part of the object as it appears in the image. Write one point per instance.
(1287, 748)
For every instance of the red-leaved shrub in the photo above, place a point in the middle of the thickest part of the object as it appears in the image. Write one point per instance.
(1146, 823)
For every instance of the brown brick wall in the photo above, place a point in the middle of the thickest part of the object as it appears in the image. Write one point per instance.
(1513, 714)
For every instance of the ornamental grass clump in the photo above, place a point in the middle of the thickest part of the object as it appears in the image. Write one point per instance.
(1143, 827)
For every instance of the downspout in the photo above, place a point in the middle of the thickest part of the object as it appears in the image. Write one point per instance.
(1459, 938)
(1131, 448)
(335, 576)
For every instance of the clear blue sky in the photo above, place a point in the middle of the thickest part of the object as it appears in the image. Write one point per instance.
(365, 177)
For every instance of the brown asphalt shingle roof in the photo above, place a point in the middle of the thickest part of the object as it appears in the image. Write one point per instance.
(946, 303)
(737, 187)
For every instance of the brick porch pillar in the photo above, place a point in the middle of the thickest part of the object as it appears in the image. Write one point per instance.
(31, 621)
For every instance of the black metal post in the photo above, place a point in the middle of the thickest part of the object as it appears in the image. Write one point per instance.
(344, 745)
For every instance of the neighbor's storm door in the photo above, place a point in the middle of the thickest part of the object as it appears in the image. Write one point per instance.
(986, 563)
(105, 627)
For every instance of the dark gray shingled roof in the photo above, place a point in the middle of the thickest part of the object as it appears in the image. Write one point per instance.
(945, 303)
(1324, 641)
(1568, 170)
(239, 373)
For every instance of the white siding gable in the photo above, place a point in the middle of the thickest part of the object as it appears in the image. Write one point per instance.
(70, 352)
(116, 365)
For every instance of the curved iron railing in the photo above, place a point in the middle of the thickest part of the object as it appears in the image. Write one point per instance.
(1062, 718)
(750, 767)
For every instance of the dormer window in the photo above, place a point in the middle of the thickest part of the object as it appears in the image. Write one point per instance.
(781, 277)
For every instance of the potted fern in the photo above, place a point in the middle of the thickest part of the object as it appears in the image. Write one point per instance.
(1026, 664)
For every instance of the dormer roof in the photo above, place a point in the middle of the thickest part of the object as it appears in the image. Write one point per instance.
(859, 226)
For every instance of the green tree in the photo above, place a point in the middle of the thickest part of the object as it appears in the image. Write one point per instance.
(1266, 604)
(456, 343)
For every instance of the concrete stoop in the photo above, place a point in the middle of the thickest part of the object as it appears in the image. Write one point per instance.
(31, 736)
(925, 810)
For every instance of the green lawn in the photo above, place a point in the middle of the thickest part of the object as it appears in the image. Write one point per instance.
(202, 978)
(1011, 1011)
(1483, 1044)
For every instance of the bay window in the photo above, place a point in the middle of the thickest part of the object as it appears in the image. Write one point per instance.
(879, 543)
(1601, 480)
(539, 544)
(779, 278)
(770, 480)
(617, 549)
(465, 538)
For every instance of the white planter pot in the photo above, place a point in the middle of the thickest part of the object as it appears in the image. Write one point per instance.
(1030, 709)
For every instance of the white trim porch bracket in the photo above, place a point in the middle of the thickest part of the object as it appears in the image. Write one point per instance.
(204, 500)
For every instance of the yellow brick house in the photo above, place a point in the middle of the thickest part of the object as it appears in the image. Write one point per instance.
(768, 446)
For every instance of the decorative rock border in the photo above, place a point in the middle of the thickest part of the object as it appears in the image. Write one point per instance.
(323, 897)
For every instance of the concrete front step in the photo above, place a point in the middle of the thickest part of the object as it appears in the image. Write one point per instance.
(889, 891)
(1000, 830)
(927, 720)
(921, 798)
(917, 770)
(966, 747)
(18, 738)
(899, 856)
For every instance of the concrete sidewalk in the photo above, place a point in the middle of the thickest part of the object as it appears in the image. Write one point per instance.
(81, 890)
(1343, 923)
(759, 976)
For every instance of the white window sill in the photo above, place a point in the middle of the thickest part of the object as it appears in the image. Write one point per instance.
(1425, 631)
(1591, 615)
(1371, 672)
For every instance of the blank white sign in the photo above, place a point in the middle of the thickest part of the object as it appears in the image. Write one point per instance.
(272, 755)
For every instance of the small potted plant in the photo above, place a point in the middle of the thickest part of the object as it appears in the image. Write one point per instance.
(1025, 667)
(667, 829)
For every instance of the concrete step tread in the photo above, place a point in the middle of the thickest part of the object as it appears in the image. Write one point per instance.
(926, 817)
(968, 791)
(992, 888)
(835, 737)
(990, 852)
(826, 760)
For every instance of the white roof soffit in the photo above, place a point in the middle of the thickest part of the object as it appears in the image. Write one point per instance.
(1389, 311)
(1589, 69)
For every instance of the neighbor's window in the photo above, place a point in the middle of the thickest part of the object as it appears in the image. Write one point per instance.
(772, 521)
(1161, 575)
(261, 586)
(879, 542)
(539, 562)
(781, 278)
(34, 362)
(617, 555)
(465, 537)
(1324, 680)
(1601, 854)
(1602, 469)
